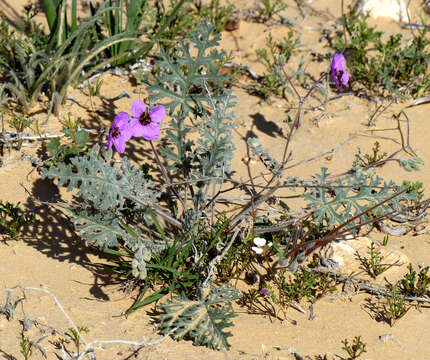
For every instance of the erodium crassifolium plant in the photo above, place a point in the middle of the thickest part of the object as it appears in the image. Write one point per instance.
(169, 231)
(120, 206)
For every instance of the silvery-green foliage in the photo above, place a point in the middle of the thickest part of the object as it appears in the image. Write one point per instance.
(184, 75)
(215, 146)
(411, 164)
(186, 81)
(10, 306)
(101, 229)
(268, 160)
(138, 265)
(189, 83)
(104, 185)
(105, 188)
(336, 201)
(204, 321)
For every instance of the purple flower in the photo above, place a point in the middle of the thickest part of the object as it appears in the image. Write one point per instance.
(338, 71)
(120, 132)
(264, 291)
(144, 122)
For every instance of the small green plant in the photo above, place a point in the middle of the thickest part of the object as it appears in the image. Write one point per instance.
(26, 346)
(396, 306)
(275, 52)
(28, 25)
(285, 290)
(78, 141)
(355, 349)
(416, 187)
(373, 263)
(184, 18)
(75, 336)
(385, 241)
(373, 158)
(414, 284)
(304, 283)
(19, 122)
(236, 259)
(388, 65)
(94, 90)
(271, 8)
(215, 13)
(261, 302)
(12, 219)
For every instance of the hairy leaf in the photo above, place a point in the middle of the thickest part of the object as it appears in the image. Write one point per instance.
(336, 201)
(204, 321)
(183, 75)
(104, 185)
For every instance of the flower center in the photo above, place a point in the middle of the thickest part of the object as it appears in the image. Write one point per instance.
(115, 132)
(144, 119)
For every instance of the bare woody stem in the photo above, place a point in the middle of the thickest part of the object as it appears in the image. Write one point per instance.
(165, 173)
(312, 245)
(266, 193)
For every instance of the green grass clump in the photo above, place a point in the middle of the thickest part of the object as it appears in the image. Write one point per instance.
(391, 67)
(415, 284)
(13, 219)
(274, 54)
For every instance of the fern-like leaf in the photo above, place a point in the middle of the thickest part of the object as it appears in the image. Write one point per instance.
(105, 186)
(336, 201)
(215, 145)
(102, 230)
(183, 75)
(204, 321)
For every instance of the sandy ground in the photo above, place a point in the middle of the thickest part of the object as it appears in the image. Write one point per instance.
(52, 257)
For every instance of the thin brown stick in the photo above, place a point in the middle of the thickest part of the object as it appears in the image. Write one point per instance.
(362, 284)
(165, 174)
(336, 232)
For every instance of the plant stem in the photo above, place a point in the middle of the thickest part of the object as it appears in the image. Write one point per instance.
(165, 174)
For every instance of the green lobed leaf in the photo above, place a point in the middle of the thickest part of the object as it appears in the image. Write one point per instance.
(204, 321)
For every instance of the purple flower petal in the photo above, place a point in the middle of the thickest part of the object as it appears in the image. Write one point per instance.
(145, 126)
(338, 61)
(264, 291)
(119, 144)
(157, 114)
(150, 131)
(137, 108)
(338, 71)
(345, 78)
(134, 126)
(120, 120)
(120, 132)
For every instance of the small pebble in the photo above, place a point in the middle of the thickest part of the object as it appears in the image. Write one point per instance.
(385, 337)
(232, 24)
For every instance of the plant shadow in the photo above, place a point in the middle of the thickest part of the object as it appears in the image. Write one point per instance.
(55, 237)
(7, 356)
(268, 127)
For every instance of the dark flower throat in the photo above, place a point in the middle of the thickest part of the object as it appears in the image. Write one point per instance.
(144, 119)
(115, 132)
